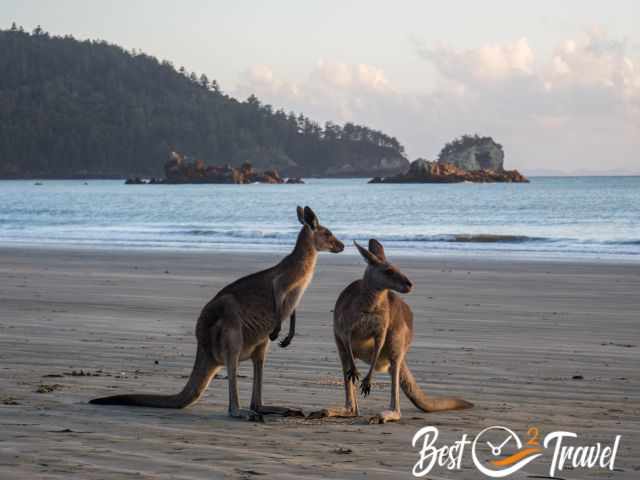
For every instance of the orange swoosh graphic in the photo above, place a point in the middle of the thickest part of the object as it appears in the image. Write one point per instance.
(515, 457)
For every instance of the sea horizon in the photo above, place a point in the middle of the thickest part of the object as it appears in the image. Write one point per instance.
(552, 217)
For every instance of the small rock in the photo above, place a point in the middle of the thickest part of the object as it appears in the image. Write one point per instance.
(342, 450)
(249, 472)
(44, 388)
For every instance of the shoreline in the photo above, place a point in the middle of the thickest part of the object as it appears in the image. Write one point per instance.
(555, 345)
(262, 250)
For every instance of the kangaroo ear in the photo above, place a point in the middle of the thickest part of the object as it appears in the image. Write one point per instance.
(369, 257)
(300, 213)
(310, 218)
(377, 249)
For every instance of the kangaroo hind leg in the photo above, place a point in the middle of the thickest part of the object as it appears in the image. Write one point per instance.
(231, 345)
(350, 408)
(258, 357)
(393, 414)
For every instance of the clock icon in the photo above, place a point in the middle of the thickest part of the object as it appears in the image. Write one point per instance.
(496, 446)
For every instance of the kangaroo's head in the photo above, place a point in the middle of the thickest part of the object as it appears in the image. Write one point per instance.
(322, 238)
(380, 272)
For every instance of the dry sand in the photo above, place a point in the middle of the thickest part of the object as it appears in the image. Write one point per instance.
(506, 335)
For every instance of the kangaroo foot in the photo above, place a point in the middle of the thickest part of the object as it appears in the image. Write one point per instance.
(248, 415)
(385, 416)
(365, 386)
(333, 412)
(352, 375)
(283, 411)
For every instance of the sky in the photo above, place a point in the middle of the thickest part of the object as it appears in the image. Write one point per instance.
(557, 83)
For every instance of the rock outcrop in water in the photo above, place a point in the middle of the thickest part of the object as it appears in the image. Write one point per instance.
(467, 159)
(295, 180)
(178, 170)
(423, 171)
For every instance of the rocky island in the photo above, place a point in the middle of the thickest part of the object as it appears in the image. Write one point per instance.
(178, 170)
(465, 159)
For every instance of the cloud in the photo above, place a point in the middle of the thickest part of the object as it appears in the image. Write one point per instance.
(485, 64)
(332, 90)
(576, 107)
(351, 77)
(597, 65)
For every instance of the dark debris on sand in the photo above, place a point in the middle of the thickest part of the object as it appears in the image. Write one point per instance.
(44, 388)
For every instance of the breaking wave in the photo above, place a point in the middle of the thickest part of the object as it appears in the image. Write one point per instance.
(456, 237)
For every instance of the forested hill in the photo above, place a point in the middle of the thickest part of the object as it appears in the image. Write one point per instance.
(72, 108)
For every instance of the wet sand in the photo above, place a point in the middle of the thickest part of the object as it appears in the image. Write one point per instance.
(554, 345)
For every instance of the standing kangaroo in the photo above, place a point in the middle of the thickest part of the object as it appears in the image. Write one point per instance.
(237, 324)
(372, 323)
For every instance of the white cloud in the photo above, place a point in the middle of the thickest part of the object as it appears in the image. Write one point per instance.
(332, 90)
(487, 63)
(261, 78)
(578, 107)
(350, 77)
(595, 61)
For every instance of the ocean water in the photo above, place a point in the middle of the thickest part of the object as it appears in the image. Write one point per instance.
(596, 217)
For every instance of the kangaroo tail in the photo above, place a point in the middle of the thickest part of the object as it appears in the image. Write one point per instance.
(198, 382)
(421, 400)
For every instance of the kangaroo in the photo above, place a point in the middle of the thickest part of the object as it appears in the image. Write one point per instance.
(375, 325)
(237, 324)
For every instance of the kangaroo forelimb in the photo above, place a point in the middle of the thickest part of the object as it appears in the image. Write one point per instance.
(274, 334)
(365, 386)
(292, 331)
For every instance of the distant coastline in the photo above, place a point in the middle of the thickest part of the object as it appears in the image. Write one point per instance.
(60, 136)
(596, 173)
(365, 178)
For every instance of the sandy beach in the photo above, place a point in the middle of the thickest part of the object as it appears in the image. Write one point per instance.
(554, 345)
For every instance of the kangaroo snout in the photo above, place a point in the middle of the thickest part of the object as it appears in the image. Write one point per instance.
(408, 286)
(337, 247)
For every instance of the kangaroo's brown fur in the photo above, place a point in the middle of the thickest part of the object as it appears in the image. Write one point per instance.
(373, 324)
(237, 323)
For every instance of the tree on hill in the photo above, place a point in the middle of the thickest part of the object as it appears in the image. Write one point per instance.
(90, 108)
(464, 142)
